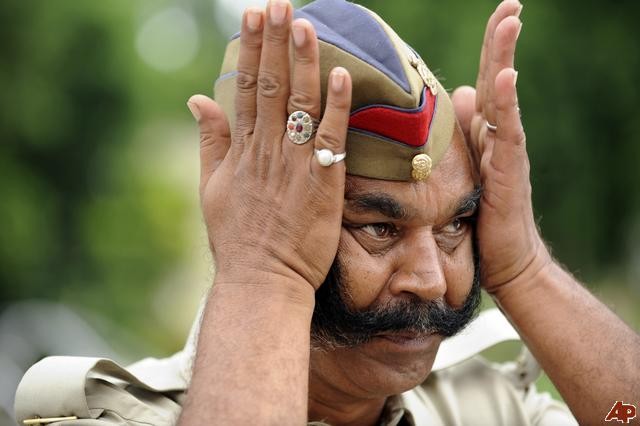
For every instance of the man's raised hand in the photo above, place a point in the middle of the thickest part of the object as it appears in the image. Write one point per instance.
(509, 244)
(269, 206)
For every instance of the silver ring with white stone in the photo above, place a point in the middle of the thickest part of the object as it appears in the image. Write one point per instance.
(326, 157)
(492, 127)
(301, 127)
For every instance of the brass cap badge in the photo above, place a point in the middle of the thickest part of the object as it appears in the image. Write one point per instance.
(426, 75)
(421, 167)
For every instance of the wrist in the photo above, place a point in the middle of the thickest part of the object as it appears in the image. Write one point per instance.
(265, 286)
(540, 266)
(238, 267)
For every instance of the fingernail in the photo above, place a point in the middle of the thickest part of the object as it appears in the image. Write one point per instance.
(337, 79)
(254, 19)
(195, 111)
(519, 29)
(277, 11)
(515, 78)
(299, 35)
(519, 11)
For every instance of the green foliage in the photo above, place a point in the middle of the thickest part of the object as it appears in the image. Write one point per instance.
(84, 217)
(66, 94)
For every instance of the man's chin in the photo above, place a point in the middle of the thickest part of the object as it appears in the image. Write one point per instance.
(397, 362)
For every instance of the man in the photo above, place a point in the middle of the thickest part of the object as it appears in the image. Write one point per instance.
(338, 277)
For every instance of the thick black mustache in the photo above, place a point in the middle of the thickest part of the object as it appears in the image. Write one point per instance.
(335, 324)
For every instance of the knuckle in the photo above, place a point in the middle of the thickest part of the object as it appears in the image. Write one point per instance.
(210, 135)
(329, 139)
(339, 103)
(269, 85)
(245, 81)
(250, 41)
(305, 59)
(208, 140)
(300, 100)
(276, 37)
(245, 123)
(242, 131)
(490, 110)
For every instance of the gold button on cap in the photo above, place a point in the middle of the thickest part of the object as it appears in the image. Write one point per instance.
(421, 167)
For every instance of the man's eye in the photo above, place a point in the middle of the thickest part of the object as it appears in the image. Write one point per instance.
(380, 230)
(456, 226)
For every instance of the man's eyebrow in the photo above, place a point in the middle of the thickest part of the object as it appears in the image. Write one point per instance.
(377, 202)
(470, 202)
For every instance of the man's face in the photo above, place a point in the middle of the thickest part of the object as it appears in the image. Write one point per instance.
(404, 279)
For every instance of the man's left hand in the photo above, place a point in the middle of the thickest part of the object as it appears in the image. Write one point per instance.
(509, 243)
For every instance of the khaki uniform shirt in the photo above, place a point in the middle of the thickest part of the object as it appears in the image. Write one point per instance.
(463, 388)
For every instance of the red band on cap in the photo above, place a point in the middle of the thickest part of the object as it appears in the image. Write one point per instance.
(410, 127)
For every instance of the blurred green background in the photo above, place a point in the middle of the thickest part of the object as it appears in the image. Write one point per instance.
(99, 154)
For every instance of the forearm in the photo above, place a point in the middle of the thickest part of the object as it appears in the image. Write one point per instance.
(591, 355)
(252, 362)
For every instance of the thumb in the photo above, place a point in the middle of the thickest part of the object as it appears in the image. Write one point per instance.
(464, 104)
(215, 136)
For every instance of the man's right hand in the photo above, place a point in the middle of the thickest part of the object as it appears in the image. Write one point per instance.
(273, 216)
(269, 206)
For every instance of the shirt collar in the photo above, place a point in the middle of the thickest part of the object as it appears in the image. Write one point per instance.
(395, 413)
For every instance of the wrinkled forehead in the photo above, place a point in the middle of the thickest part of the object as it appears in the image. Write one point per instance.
(452, 180)
(402, 119)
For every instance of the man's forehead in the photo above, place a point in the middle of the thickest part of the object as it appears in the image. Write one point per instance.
(454, 175)
(381, 204)
(450, 191)
(357, 187)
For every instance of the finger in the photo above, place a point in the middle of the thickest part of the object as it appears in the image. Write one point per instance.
(502, 56)
(305, 82)
(273, 77)
(305, 87)
(478, 130)
(215, 137)
(248, 65)
(332, 132)
(509, 152)
(504, 9)
(464, 104)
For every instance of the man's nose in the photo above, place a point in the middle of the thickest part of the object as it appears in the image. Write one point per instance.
(419, 269)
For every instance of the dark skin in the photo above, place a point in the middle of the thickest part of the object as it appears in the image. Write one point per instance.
(424, 252)
(269, 269)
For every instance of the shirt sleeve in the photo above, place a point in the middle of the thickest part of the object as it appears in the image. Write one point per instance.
(541, 409)
(95, 390)
(545, 411)
(476, 392)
